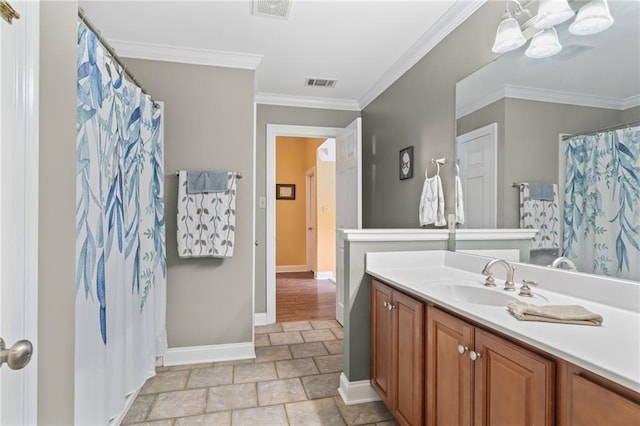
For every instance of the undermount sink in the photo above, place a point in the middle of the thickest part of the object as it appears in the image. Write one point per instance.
(476, 295)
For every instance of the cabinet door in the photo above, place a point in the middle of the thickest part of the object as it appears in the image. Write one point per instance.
(585, 399)
(449, 373)
(409, 359)
(381, 342)
(513, 386)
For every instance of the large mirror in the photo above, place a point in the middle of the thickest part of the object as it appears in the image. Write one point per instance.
(513, 115)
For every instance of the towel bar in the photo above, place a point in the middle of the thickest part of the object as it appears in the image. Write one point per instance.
(238, 174)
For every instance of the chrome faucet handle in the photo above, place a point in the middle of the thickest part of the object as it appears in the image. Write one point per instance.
(489, 281)
(525, 290)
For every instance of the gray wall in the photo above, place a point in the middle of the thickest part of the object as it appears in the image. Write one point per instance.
(528, 146)
(419, 110)
(631, 115)
(208, 125)
(56, 218)
(268, 114)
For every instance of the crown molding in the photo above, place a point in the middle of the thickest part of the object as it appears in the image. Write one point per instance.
(186, 55)
(544, 95)
(455, 16)
(264, 98)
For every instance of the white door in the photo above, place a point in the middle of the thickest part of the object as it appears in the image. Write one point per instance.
(477, 159)
(18, 209)
(348, 197)
(311, 219)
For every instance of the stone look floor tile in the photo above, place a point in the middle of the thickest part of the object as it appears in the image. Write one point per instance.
(296, 368)
(249, 373)
(318, 335)
(296, 326)
(287, 338)
(325, 324)
(178, 404)
(338, 333)
(262, 340)
(212, 376)
(272, 353)
(360, 414)
(261, 416)
(167, 422)
(391, 422)
(321, 385)
(166, 381)
(306, 350)
(329, 363)
(280, 391)
(139, 409)
(235, 362)
(334, 346)
(183, 367)
(222, 398)
(270, 328)
(221, 418)
(319, 412)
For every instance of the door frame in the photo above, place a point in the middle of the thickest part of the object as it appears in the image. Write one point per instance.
(273, 131)
(27, 135)
(310, 216)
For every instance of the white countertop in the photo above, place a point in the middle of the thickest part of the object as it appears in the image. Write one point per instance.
(611, 350)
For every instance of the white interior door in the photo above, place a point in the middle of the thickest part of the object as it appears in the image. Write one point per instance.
(348, 197)
(477, 159)
(311, 219)
(18, 207)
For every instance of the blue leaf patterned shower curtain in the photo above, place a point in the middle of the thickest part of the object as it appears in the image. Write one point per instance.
(120, 236)
(602, 208)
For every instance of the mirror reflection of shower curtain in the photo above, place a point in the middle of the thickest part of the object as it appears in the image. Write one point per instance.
(120, 236)
(602, 203)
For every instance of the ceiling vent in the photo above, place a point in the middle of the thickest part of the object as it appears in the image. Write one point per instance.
(320, 82)
(570, 51)
(272, 8)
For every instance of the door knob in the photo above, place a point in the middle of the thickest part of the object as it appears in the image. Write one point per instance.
(17, 356)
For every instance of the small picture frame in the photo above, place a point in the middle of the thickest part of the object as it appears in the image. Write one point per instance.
(285, 191)
(406, 163)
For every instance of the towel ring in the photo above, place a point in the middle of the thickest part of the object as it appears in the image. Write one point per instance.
(438, 163)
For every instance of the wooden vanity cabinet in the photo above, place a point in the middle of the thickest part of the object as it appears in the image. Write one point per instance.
(397, 352)
(505, 384)
(587, 399)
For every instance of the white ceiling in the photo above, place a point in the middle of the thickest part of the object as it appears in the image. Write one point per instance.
(364, 44)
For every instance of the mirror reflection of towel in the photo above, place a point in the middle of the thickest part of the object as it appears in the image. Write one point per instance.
(207, 182)
(541, 191)
(432, 203)
(541, 214)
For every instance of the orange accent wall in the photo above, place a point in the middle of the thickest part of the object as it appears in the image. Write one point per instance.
(292, 161)
(326, 216)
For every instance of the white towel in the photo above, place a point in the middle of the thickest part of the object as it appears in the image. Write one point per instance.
(206, 221)
(432, 203)
(542, 215)
(459, 202)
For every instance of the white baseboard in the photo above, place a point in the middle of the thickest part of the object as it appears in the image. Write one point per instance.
(356, 392)
(333, 280)
(260, 318)
(323, 275)
(212, 353)
(292, 268)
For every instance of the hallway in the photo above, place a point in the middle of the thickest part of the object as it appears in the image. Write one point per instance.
(301, 298)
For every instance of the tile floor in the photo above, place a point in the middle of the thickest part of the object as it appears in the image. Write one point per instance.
(293, 381)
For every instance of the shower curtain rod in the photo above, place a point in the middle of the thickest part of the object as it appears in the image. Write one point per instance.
(84, 18)
(605, 129)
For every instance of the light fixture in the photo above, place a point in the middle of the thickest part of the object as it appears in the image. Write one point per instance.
(544, 44)
(509, 35)
(552, 13)
(592, 18)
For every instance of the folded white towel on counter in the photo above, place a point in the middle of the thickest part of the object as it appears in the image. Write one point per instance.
(566, 314)
(431, 209)
(459, 202)
(206, 221)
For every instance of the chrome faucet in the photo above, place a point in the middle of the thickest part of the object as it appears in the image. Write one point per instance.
(560, 260)
(508, 282)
